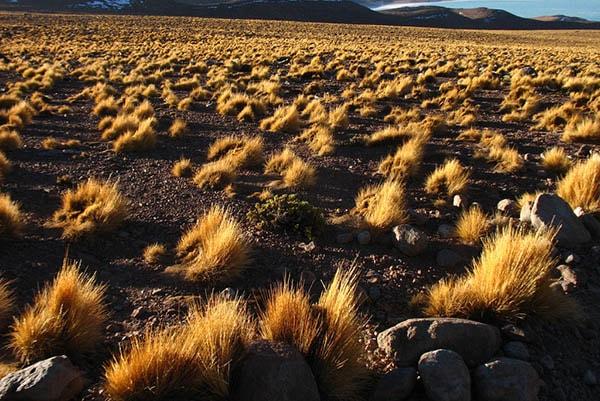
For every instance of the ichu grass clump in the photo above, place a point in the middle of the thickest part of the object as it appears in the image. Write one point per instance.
(93, 207)
(67, 317)
(215, 249)
(510, 280)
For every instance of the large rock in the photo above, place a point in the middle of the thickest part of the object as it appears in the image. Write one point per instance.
(505, 379)
(409, 240)
(53, 379)
(445, 376)
(408, 340)
(550, 210)
(273, 371)
(395, 385)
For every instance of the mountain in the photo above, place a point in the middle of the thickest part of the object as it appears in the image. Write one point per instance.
(341, 11)
(481, 18)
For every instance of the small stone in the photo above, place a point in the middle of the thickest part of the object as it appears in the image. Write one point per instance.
(409, 240)
(571, 258)
(307, 247)
(445, 231)
(458, 201)
(508, 207)
(516, 350)
(589, 378)
(344, 238)
(363, 237)
(570, 279)
(445, 376)
(447, 258)
(395, 385)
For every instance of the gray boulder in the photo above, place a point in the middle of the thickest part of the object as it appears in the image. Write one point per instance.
(445, 376)
(505, 379)
(409, 240)
(405, 342)
(53, 379)
(273, 371)
(550, 210)
(395, 385)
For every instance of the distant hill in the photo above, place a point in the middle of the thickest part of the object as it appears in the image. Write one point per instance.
(343, 11)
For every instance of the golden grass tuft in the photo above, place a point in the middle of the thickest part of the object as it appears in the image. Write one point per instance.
(142, 139)
(239, 150)
(580, 187)
(391, 134)
(53, 143)
(336, 359)
(508, 160)
(190, 361)
(319, 138)
(93, 207)
(582, 130)
(472, 225)
(215, 175)
(182, 168)
(278, 162)
(510, 280)
(326, 333)
(299, 175)
(285, 119)
(289, 317)
(9, 139)
(214, 249)
(67, 317)
(178, 128)
(382, 206)
(406, 161)
(555, 160)
(11, 218)
(451, 177)
(295, 172)
(155, 253)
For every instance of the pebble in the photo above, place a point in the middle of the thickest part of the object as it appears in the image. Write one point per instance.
(363, 237)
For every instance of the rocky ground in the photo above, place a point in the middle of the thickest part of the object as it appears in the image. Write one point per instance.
(565, 356)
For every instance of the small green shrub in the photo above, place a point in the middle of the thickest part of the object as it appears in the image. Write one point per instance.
(288, 213)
